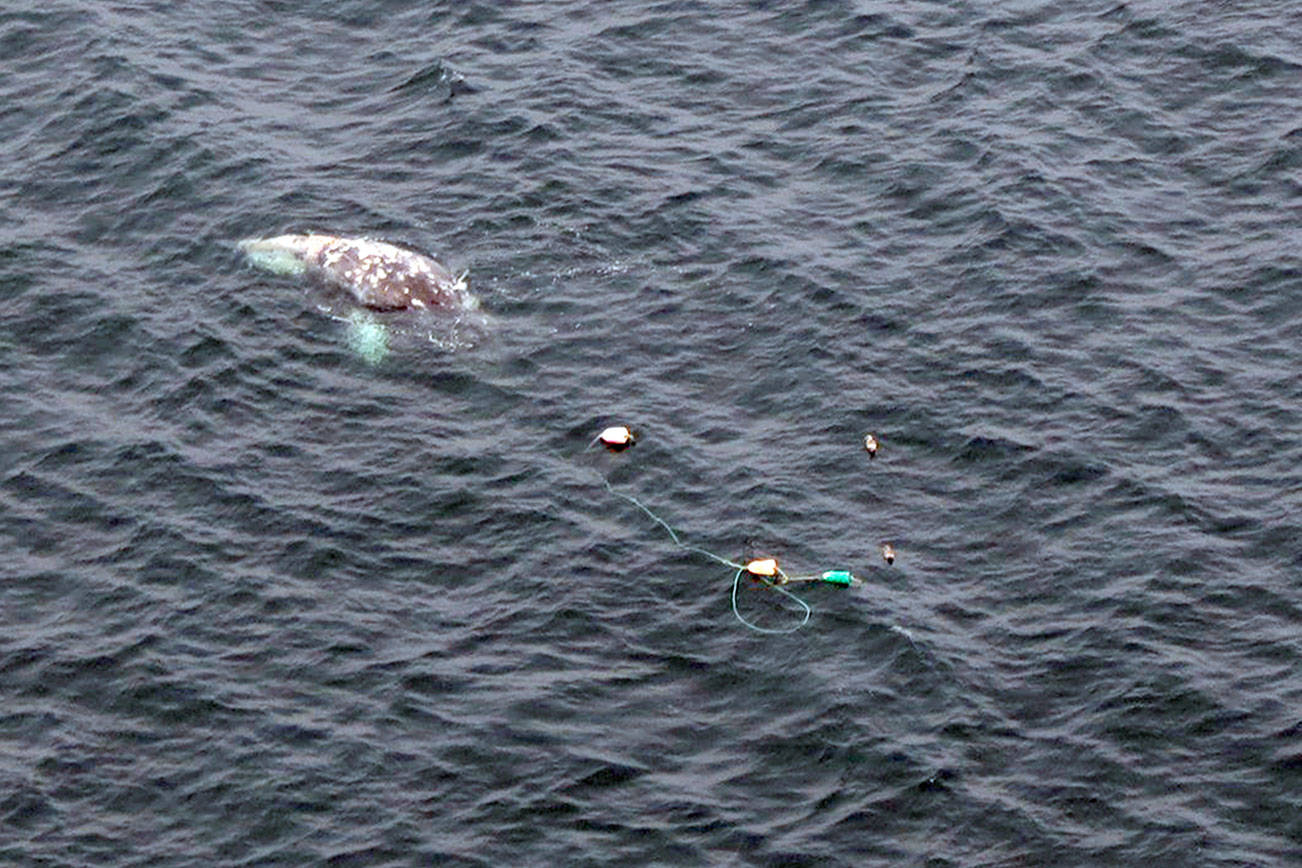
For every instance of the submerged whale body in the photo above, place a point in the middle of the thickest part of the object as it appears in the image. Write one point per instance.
(380, 275)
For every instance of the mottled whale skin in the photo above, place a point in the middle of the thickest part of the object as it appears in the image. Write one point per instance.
(380, 275)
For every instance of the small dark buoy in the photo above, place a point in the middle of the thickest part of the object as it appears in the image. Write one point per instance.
(870, 445)
(617, 438)
(888, 553)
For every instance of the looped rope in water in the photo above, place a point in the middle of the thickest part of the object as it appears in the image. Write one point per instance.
(736, 580)
(836, 577)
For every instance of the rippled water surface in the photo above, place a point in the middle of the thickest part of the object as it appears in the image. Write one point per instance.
(269, 599)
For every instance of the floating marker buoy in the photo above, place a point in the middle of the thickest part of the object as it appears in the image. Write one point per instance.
(766, 567)
(839, 577)
(870, 445)
(888, 553)
(617, 438)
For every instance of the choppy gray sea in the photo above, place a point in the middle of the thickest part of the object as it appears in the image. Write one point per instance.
(268, 599)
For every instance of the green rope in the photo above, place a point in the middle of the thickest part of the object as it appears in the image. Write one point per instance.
(834, 577)
(672, 533)
(736, 581)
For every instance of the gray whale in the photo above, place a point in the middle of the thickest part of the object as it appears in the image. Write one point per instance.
(379, 275)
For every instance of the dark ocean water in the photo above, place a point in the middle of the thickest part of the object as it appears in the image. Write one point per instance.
(263, 602)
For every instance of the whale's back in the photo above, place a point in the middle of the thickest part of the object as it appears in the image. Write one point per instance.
(387, 277)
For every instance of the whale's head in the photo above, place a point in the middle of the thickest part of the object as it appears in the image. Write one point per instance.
(283, 254)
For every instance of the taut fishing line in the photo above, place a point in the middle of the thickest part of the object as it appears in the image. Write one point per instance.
(763, 570)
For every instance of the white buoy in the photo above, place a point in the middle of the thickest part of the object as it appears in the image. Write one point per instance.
(617, 437)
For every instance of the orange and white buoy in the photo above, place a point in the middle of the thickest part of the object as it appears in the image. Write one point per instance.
(765, 568)
(870, 445)
(617, 438)
(888, 553)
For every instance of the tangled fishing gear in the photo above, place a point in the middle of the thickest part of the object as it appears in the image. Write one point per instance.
(764, 570)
